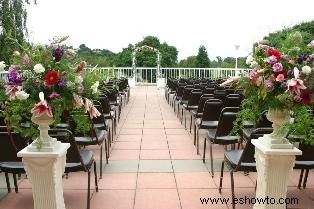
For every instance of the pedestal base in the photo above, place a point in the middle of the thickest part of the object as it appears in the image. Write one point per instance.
(46, 146)
(274, 167)
(280, 143)
(45, 170)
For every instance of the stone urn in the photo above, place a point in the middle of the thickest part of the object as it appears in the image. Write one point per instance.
(44, 143)
(277, 140)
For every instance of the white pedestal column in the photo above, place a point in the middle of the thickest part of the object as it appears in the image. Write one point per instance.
(274, 167)
(45, 170)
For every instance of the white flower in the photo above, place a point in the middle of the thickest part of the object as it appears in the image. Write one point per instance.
(94, 87)
(249, 59)
(2, 65)
(78, 79)
(311, 44)
(306, 69)
(254, 65)
(38, 68)
(21, 95)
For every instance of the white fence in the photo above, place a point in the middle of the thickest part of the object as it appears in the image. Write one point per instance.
(148, 75)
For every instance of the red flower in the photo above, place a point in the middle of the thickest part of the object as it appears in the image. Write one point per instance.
(306, 99)
(274, 52)
(51, 78)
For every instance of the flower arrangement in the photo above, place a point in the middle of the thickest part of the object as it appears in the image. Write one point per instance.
(48, 71)
(281, 79)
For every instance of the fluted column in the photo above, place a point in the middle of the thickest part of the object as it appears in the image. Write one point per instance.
(274, 167)
(45, 170)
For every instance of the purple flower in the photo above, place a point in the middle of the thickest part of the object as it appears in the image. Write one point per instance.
(54, 95)
(58, 53)
(303, 57)
(277, 67)
(272, 60)
(297, 98)
(25, 60)
(268, 85)
(14, 77)
(62, 83)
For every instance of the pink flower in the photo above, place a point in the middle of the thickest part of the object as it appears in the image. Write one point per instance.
(297, 98)
(91, 109)
(10, 90)
(295, 85)
(311, 44)
(42, 108)
(277, 67)
(16, 53)
(54, 95)
(280, 78)
(272, 59)
(25, 60)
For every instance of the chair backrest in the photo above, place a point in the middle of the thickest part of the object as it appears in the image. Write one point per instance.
(220, 94)
(230, 91)
(66, 136)
(212, 109)
(307, 152)
(249, 149)
(194, 98)
(186, 93)
(10, 144)
(202, 101)
(104, 104)
(209, 90)
(180, 89)
(225, 123)
(232, 101)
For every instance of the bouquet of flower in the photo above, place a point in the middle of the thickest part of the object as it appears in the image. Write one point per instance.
(48, 71)
(281, 79)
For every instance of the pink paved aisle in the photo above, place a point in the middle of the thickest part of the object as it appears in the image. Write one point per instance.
(153, 165)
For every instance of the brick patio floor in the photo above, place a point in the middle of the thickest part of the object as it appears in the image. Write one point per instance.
(153, 165)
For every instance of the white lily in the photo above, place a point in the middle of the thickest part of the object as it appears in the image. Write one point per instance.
(94, 87)
(78, 79)
(2, 65)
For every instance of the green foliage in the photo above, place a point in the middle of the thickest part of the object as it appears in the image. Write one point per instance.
(202, 59)
(189, 62)
(99, 57)
(277, 39)
(13, 18)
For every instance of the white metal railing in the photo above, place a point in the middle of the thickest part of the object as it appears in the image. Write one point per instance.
(148, 75)
(3, 75)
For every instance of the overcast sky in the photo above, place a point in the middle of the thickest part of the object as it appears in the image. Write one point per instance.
(185, 24)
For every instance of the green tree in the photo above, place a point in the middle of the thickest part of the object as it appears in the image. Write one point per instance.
(124, 58)
(13, 17)
(202, 59)
(189, 62)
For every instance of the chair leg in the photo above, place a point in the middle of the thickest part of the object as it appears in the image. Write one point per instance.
(178, 110)
(96, 179)
(198, 141)
(300, 179)
(211, 157)
(15, 183)
(232, 188)
(8, 182)
(194, 134)
(100, 164)
(185, 119)
(182, 115)
(204, 151)
(221, 175)
(305, 178)
(191, 123)
(88, 190)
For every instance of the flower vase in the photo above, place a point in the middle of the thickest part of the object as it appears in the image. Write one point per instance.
(44, 143)
(277, 140)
